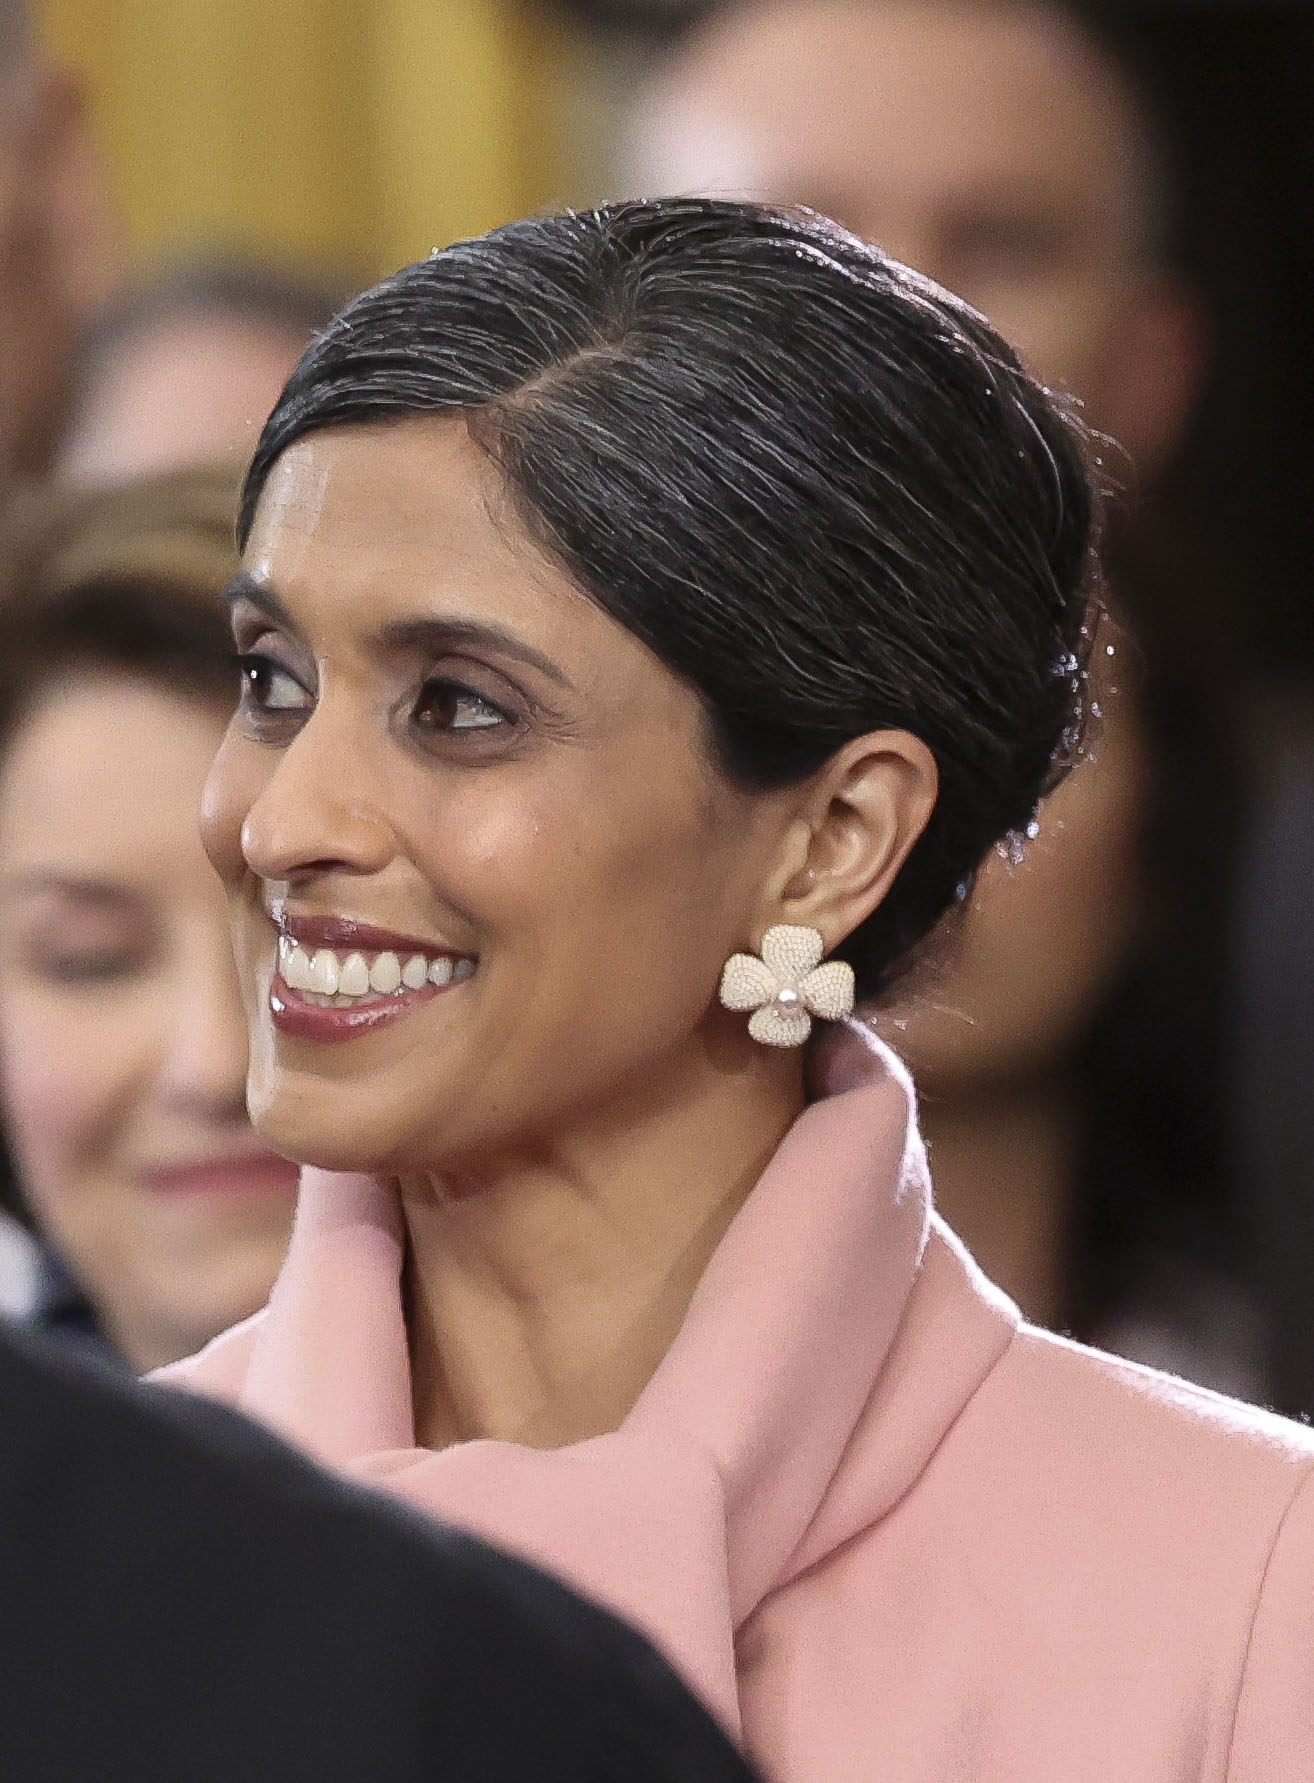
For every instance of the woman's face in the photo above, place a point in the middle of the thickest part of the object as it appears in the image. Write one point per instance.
(122, 1041)
(450, 764)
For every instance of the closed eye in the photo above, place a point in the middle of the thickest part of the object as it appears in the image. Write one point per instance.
(79, 968)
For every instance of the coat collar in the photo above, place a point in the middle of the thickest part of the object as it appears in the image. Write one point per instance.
(809, 1384)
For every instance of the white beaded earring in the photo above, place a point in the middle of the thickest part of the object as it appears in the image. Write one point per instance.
(787, 986)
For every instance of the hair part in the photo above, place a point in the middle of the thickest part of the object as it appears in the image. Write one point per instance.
(822, 490)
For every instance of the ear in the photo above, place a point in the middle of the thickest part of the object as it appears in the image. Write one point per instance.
(1163, 353)
(851, 834)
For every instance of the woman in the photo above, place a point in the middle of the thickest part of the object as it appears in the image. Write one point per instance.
(122, 1043)
(639, 608)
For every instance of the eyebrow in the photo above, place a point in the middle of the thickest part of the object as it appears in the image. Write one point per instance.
(426, 634)
(100, 892)
(246, 588)
(436, 635)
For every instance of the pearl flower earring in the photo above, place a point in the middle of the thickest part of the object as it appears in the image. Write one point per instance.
(787, 986)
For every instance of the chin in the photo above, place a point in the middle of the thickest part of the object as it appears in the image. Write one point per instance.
(195, 1306)
(326, 1129)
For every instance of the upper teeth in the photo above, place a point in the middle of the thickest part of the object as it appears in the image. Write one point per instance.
(329, 974)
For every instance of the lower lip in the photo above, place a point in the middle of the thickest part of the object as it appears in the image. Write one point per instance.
(310, 1021)
(236, 1176)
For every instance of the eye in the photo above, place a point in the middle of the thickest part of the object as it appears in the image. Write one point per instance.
(445, 705)
(994, 247)
(269, 687)
(88, 967)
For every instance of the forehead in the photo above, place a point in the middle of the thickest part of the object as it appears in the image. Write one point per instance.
(361, 526)
(387, 492)
(104, 777)
(895, 101)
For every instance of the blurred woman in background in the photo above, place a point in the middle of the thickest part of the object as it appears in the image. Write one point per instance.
(122, 1042)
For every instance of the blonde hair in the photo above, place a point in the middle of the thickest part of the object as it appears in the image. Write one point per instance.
(128, 578)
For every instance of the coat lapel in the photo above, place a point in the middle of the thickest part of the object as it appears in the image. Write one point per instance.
(718, 1485)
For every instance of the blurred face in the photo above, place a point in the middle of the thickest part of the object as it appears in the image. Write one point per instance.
(195, 390)
(1042, 938)
(988, 147)
(122, 1043)
(484, 878)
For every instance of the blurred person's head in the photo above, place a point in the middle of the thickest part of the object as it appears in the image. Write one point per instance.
(1002, 147)
(996, 145)
(59, 242)
(122, 1042)
(184, 369)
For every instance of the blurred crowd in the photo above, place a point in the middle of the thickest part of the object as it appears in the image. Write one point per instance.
(1114, 1048)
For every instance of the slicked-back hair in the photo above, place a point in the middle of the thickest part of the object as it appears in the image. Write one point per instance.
(822, 490)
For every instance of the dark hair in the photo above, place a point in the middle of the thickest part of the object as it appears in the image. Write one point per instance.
(128, 579)
(819, 488)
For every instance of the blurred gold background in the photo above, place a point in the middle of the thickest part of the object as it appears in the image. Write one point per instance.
(347, 134)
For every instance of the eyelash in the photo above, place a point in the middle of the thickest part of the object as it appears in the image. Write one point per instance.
(255, 667)
(460, 693)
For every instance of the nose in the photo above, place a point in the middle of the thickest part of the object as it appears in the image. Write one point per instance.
(316, 812)
(205, 1053)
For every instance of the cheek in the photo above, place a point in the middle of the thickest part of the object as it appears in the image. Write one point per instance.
(1064, 328)
(67, 1082)
(234, 783)
(573, 855)
(600, 891)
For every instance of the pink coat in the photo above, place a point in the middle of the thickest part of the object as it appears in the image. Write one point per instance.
(886, 1528)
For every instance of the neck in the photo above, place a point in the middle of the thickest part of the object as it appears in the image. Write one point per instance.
(1001, 1161)
(544, 1287)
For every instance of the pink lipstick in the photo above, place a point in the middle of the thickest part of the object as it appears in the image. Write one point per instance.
(264, 1173)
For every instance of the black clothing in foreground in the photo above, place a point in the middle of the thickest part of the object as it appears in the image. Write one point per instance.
(63, 1313)
(184, 1600)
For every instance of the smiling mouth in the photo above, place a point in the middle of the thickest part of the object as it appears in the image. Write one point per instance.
(337, 979)
(332, 978)
(263, 1174)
